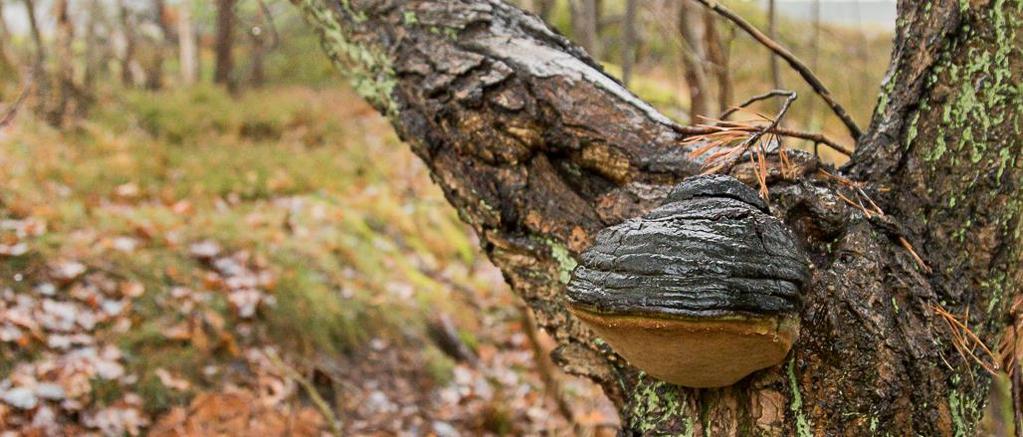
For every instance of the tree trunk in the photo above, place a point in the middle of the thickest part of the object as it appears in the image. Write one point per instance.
(187, 50)
(154, 79)
(584, 25)
(264, 39)
(127, 60)
(544, 8)
(718, 57)
(66, 91)
(7, 64)
(692, 60)
(815, 40)
(629, 41)
(39, 77)
(225, 45)
(92, 49)
(772, 18)
(538, 150)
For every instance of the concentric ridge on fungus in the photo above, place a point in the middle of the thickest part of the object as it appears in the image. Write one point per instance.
(701, 291)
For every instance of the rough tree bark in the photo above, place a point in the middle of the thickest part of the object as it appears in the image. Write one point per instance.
(538, 149)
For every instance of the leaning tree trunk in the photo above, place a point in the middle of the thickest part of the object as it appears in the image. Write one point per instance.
(538, 149)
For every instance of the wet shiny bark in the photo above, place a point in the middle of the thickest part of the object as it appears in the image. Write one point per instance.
(538, 150)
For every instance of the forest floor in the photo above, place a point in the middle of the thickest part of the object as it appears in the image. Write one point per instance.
(185, 263)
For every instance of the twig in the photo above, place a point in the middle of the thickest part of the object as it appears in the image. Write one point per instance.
(793, 61)
(920, 261)
(547, 372)
(752, 100)
(310, 389)
(12, 110)
(759, 133)
(963, 329)
(1014, 376)
(791, 133)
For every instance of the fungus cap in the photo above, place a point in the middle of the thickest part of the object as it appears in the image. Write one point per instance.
(699, 292)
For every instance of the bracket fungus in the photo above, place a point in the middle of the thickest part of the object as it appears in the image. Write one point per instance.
(701, 291)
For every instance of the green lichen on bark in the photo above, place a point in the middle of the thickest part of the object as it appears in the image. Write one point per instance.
(796, 402)
(368, 68)
(659, 406)
(566, 262)
(969, 151)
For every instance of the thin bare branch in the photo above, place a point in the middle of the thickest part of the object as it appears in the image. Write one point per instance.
(12, 110)
(793, 61)
(314, 395)
(752, 100)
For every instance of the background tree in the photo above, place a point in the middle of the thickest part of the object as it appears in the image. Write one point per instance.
(264, 37)
(629, 40)
(93, 50)
(66, 89)
(39, 78)
(224, 45)
(692, 60)
(7, 63)
(585, 23)
(154, 77)
(717, 55)
(772, 32)
(188, 52)
(538, 149)
(128, 31)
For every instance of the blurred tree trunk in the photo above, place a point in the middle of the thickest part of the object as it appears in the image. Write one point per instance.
(538, 150)
(7, 64)
(67, 96)
(584, 25)
(815, 37)
(692, 60)
(40, 80)
(264, 39)
(154, 78)
(772, 18)
(224, 45)
(718, 57)
(128, 30)
(629, 40)
(92, 49)
(544, 8)
(187, 51)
